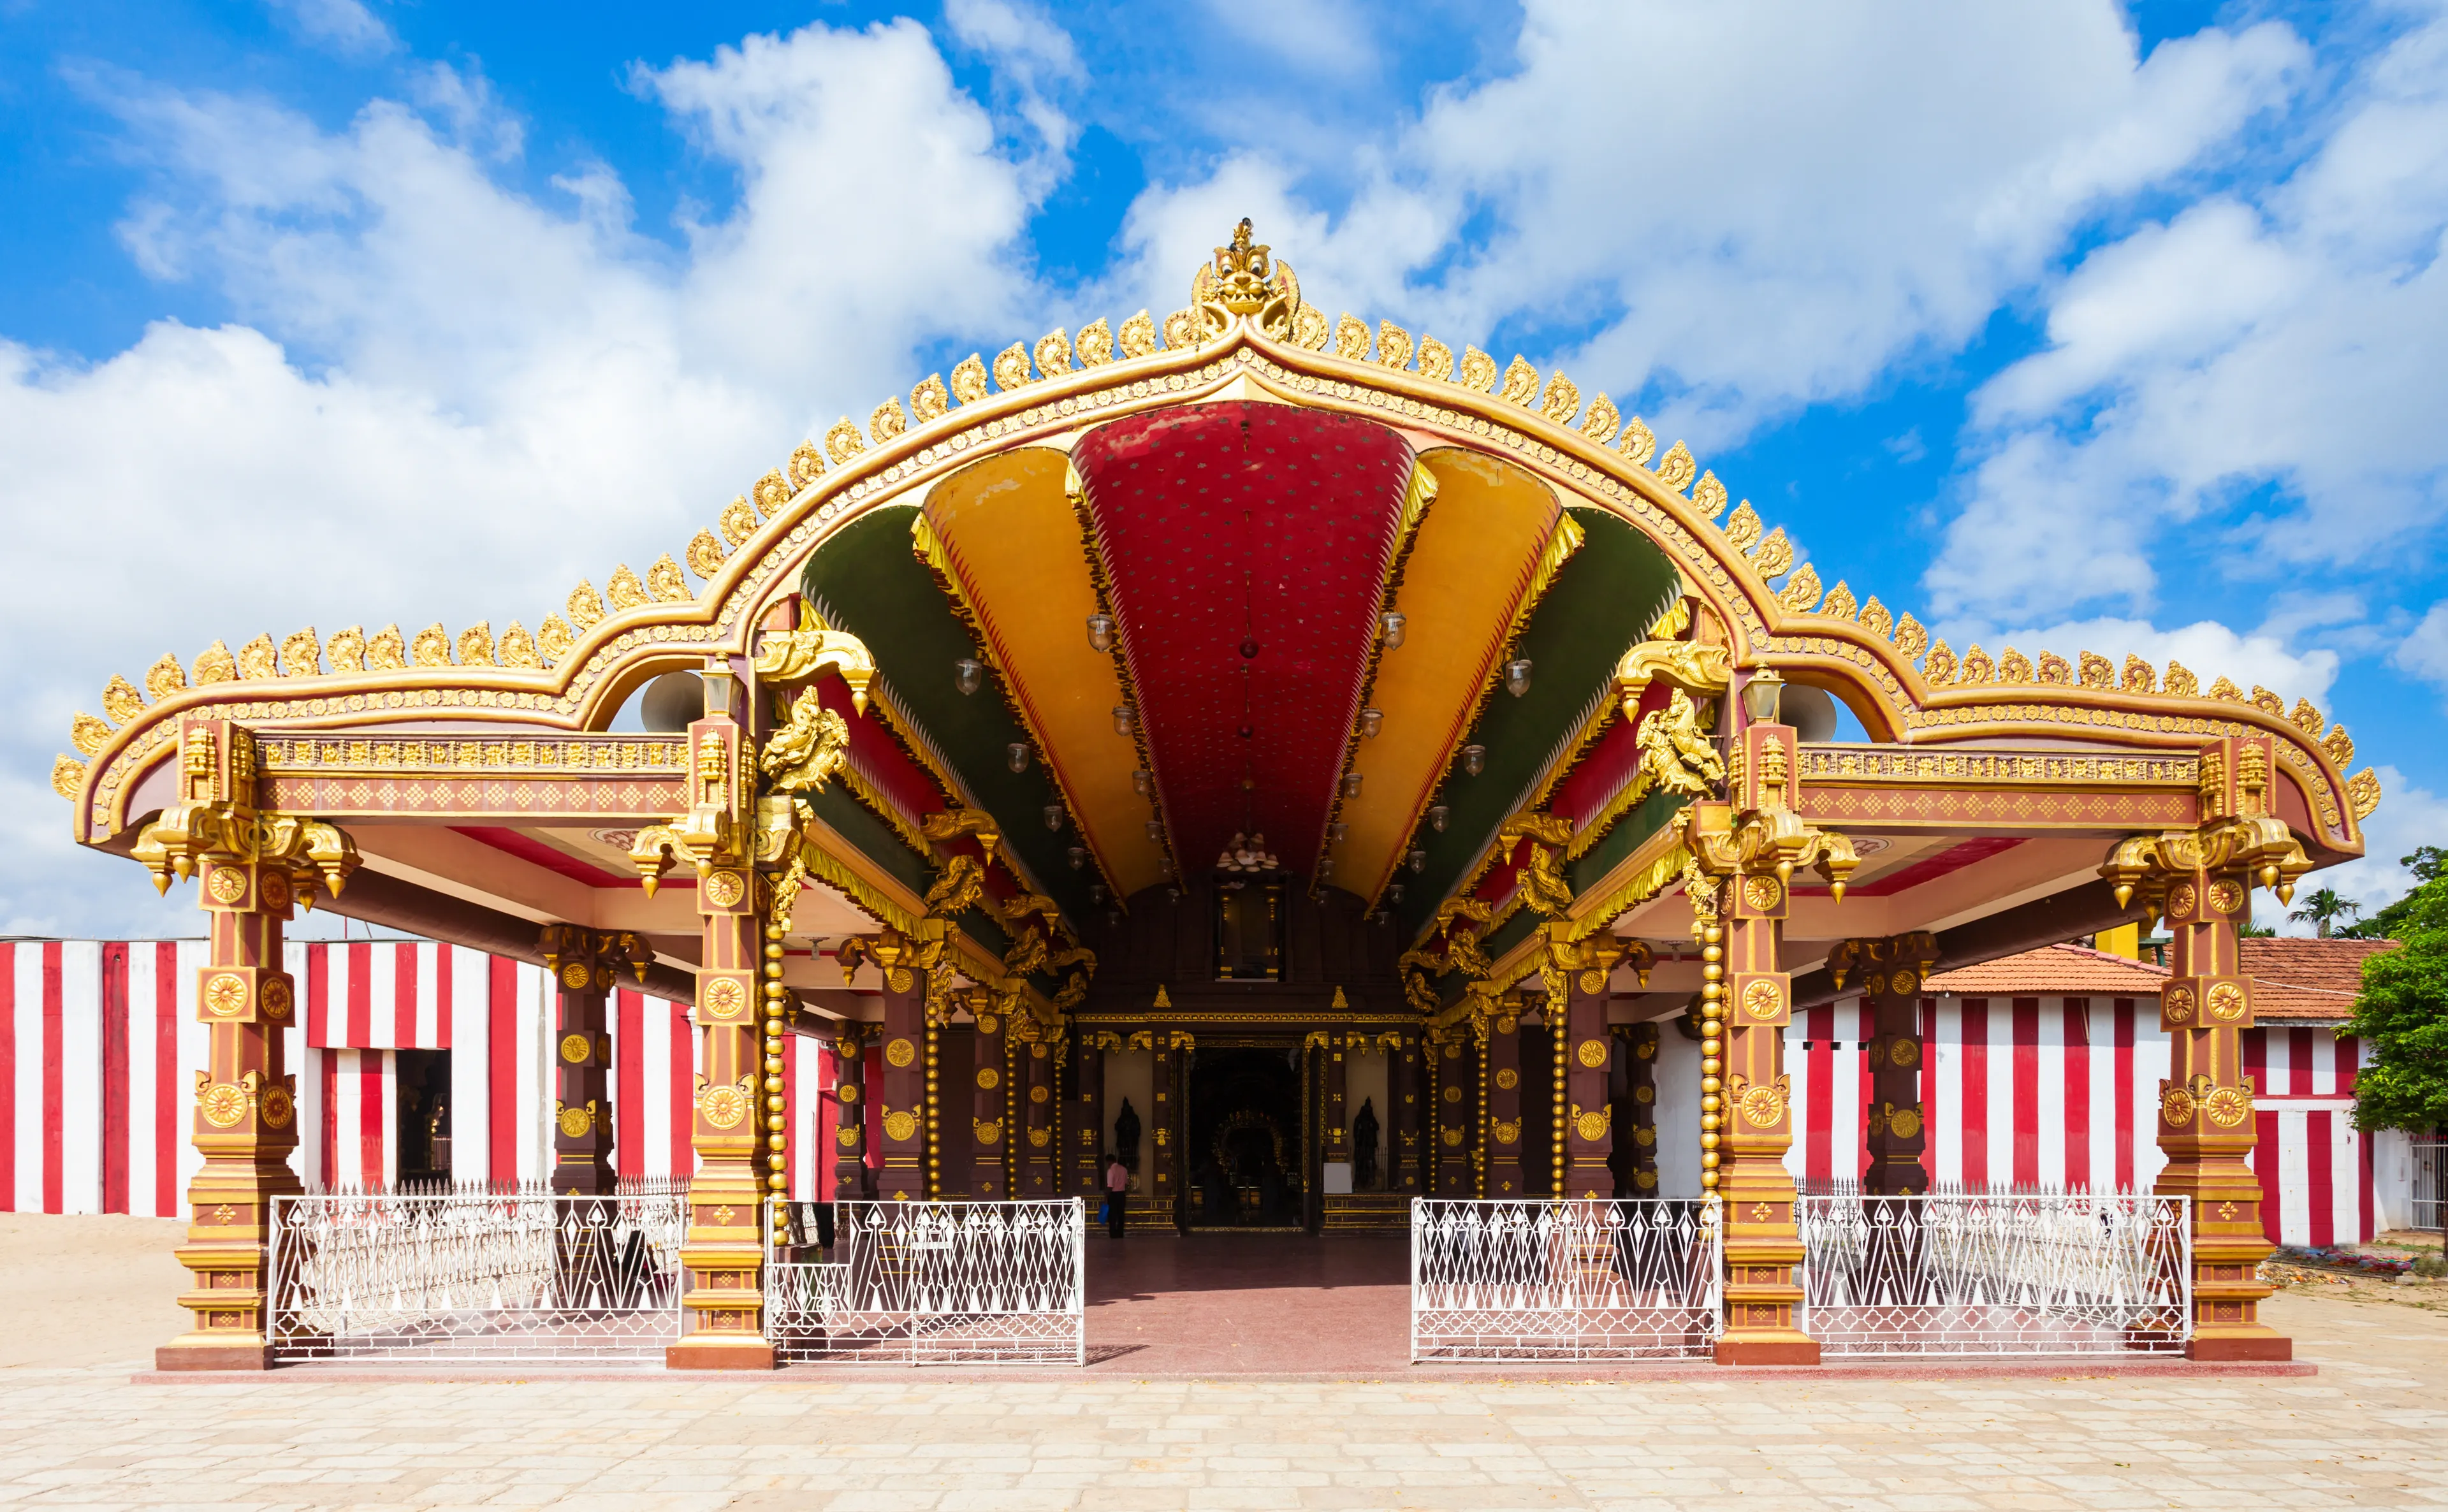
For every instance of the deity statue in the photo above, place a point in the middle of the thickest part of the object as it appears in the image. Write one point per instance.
(1126, 1137)
(1363, 1147)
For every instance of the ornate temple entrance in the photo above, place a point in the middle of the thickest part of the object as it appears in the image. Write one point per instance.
(1156, 696)
(1249, 1152)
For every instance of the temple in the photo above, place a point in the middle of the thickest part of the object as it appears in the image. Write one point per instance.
(1318, 769)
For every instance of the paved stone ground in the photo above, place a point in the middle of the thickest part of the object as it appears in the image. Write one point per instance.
(2370, 1430)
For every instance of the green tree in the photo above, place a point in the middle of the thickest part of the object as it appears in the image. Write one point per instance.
(2402, 1016)
(2324, 909)
(2428, 863)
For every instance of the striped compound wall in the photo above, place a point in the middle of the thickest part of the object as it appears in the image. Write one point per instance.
(99, 1044)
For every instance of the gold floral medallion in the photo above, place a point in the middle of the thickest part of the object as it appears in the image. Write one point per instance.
(847, 1092)
(900, 1124)
(1039, 1139)
(2182, 900)
(1762, 998)
(574, 1047)
(1508, 1131)
(2226, 896)
(1593, 1126)
(226, 995)
(2179, 1006)
(1453, 1093)
(1593, 983)
(275, 998)
(2226, 1002)
(725, 998)
(1762, 1104)
(228, 884)
(723, 1106)
(575, 1123)
(576, 977)
(2227, 1106)
(847, 1136)
(1875, 985)
(276, 1107)
(2176, 1107)
(1763, 893)
(988, 1078)
(1507, 1079)
(223, 1104)
(1038, 1093)
(1592, 1053)
(1904, 1123)
(276, 890)
(1452, 1138)
(988, 1130)
(900, 1053)
(1644, 1095)
(724, 890)
(988, 1023)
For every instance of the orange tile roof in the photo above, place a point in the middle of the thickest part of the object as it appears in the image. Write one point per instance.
(2307, 979)
(2055, 970)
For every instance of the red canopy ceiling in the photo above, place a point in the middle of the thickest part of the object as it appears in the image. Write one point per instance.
(1223, 525)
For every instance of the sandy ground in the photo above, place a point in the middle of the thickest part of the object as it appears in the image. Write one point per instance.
(87, 1290)
(89, 1298)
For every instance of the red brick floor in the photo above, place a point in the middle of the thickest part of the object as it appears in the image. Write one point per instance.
(1228, 1303)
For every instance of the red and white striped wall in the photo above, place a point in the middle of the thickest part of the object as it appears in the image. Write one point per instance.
(100, 1044)
(2063, 1092)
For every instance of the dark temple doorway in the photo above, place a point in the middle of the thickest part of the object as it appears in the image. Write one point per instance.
(1244, 1158)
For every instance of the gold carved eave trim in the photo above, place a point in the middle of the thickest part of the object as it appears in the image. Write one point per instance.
(839, 864)
(619, 649)
(1639, 877)
(1288, 1020)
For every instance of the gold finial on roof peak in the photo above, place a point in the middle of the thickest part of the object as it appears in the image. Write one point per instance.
(1242, 270)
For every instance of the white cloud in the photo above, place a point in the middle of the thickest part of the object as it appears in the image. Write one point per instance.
(444, 398)
(2253, 383)
(2424, 651)
(2207, 649)
(1760, 205)
(345, 27)
(1034, 62)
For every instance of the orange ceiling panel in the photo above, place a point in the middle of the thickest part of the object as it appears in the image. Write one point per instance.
(1005, 534)
(1486, 542)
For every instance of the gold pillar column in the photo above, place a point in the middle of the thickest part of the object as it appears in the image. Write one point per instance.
(1501, 1175)
(990, 1122)
(252, 869)
(2201, 881)
(1740, 891)
(1040, 1056)
(723, 1257)
(851, 1177)
(1889, 973)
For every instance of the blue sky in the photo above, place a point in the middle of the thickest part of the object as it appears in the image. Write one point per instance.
(2063, 324)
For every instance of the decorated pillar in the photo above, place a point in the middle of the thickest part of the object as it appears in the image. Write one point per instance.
(1454, 1086)
(1500, 1173)
(1748, 854)
(1333, 1046)
(1889, 973)
(989, 1108)
(1171, 1049)
(585, 966)
(1577, 973)
(1636, 1129)
(1087, 1168)
(851, 1177)
(901, 1168)
(1402, 1169)
(1039, 1055)
(2201, 881)
(251, 866)
(721, 1319)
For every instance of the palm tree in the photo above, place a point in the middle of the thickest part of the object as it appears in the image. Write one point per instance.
(2322, 910)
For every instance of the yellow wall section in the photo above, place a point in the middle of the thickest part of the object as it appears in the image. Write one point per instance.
(1469, 567)
(1009, 536)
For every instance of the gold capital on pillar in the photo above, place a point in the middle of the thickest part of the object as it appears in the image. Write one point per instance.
(2201, 881)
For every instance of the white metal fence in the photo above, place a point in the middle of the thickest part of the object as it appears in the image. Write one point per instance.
(930, 1283)
(2024, 1274)
(479, 1275)
(2430, 1157)
(1583, 1278)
